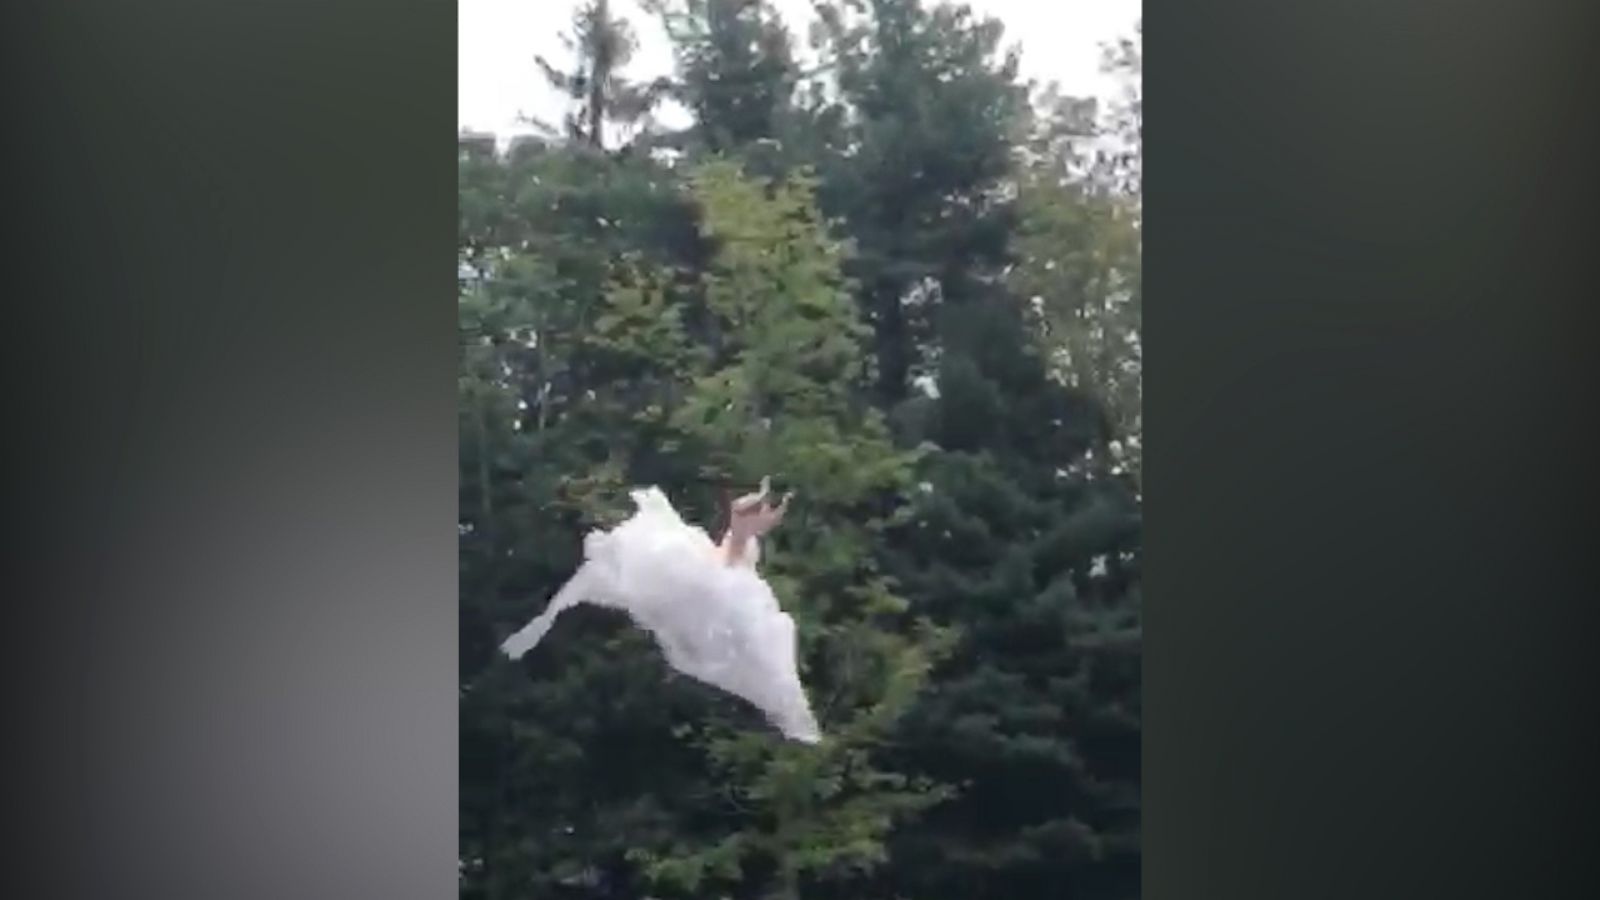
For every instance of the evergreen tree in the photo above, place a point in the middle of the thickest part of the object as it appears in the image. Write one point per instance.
(917, 154)
(602, 44)
(571, 351)
(735, 70)
(1026, 539)
(1017, 542)
(781, 396)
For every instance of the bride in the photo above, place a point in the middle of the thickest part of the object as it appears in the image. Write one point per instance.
(708, 608)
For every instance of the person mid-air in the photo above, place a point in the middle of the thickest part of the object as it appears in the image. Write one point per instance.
(713, 616)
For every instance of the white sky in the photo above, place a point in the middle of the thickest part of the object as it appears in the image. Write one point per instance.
(497, 80)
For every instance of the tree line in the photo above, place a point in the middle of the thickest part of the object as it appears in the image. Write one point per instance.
(880, 266)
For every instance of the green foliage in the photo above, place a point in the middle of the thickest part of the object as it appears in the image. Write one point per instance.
(1079, 265)
(1078, 252)
(836, 287)
(603, 44)
(914, 156)
(778, 398)
(736, 69)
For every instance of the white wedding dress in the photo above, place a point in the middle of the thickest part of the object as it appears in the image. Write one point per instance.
(715, 622)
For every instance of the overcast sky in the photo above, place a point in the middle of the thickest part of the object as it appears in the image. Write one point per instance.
(497, 80)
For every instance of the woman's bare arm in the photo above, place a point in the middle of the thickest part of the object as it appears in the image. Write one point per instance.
(750, 518)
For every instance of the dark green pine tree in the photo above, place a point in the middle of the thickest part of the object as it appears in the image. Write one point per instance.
(914, 146)
(1019, 544)
(572, 355)
(736, 72)
(1026, 539)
